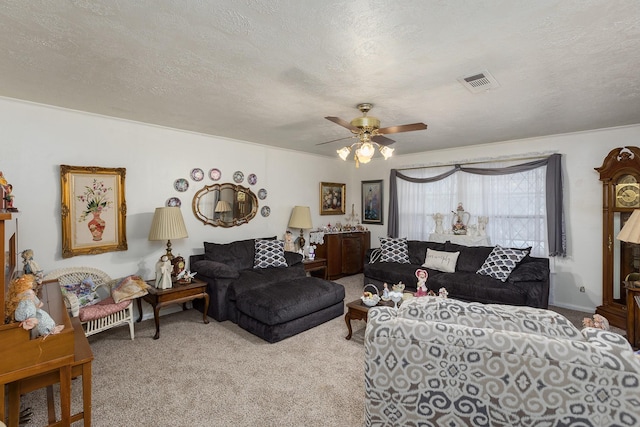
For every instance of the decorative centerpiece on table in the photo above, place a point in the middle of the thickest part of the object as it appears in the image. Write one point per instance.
(460, 220)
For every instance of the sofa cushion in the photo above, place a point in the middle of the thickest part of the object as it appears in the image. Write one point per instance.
(441, 261)
(269, 253)
(418, 250)
(471, 257)
(256, 278)
(475, 287)
(501, 262)
(238, 254)
(293, 258)
(215, 269)
(289, 300)
(394, 250)
(392, 273)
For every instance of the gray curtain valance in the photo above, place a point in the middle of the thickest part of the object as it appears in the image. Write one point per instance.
(555, 213)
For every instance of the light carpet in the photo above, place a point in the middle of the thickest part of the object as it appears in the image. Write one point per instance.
(220, 375)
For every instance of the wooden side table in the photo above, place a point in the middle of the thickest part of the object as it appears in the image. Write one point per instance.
(357, 310)
(178, 294)
(633, 316)
(316, 265)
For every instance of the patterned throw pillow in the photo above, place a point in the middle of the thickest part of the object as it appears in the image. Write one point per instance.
(501, 262)
(269, 253)
(85, 291)
(394, 250)
(374, 256)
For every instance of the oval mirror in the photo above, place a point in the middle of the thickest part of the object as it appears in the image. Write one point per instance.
(225, 205)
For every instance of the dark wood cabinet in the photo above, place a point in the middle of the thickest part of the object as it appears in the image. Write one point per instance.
(620, 176)
(344, 252)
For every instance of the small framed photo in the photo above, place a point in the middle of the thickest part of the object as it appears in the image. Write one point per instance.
(372, 202)
(93, 210)
(332, 198)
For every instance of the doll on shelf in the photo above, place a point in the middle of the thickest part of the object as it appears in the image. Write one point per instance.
(30, 265)
(24, 306)
(422, 276)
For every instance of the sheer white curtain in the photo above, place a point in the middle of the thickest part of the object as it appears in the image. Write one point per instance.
(514, 203)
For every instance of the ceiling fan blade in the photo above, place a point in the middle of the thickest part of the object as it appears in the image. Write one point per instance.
(382, 140)
(339, 139)
(402, 128)
(343, 123)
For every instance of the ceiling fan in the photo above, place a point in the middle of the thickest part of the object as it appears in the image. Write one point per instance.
(370, 135)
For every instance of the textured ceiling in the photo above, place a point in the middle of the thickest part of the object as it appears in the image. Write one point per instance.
(268, 71)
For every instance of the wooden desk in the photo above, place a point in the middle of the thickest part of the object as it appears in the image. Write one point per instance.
(83, 356)
(23, 357)
(178, 294)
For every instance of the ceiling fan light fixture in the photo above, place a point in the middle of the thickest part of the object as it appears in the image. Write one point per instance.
(386, 152)
(344, 152)
(365, 152)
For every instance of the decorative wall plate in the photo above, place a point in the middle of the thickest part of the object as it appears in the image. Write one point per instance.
(181, 185)
(174, 202)
(265, 211)
(215, 174)
(197, 174)
(252, 179)
(262, 194)
(238, 177)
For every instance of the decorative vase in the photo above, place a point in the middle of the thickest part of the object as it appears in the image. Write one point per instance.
(96, 226)
(460, 220)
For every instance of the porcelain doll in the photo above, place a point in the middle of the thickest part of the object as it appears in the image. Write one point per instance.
(163, 273)
(422, 276)
(24, 306)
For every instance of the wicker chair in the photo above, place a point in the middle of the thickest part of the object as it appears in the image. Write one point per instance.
(117, 314)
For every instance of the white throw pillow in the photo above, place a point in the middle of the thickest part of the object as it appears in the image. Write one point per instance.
(441, 261)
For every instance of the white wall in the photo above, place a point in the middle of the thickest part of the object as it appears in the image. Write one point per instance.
(36, 139)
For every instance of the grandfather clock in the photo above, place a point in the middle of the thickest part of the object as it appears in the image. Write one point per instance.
(620, 176)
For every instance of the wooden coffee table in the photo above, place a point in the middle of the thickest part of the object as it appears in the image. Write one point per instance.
(178, 294)
(356, 310)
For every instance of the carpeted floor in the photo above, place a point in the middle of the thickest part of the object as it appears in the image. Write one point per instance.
(220, 375)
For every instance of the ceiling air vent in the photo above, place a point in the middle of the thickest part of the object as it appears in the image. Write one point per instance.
(479, 82)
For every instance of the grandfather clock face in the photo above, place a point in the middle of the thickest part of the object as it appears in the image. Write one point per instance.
(627, 192)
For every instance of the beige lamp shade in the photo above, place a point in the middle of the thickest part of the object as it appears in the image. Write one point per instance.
(223, 206)
(168, 224)
(630, 233)
(300, 217)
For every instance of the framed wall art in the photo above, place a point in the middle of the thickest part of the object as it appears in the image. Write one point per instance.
(93, 210)
(332, 198)
(372, 202)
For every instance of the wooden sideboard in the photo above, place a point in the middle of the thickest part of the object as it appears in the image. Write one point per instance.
(344, 252)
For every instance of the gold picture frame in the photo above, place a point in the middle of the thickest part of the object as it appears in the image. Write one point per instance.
(332, 198)
(93, 210)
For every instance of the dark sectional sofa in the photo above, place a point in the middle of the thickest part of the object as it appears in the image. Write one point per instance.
(527, 285)
(274, 302)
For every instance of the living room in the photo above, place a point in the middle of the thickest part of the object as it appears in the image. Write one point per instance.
(38, 137)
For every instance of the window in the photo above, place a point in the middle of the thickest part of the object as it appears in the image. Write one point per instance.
(515, 204)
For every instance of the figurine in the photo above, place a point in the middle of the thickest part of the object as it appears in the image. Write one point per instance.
(24, 306)
(422, 276)
(8, 196)
(289, 246)
(385, 292)
(30, 265)
(438, 219)
(185, 276)
(163, 273)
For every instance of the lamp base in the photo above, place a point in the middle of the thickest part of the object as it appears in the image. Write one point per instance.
(301, 241)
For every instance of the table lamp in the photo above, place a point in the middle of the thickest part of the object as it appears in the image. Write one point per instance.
(168, 224)
(300, 218)
(222, 207)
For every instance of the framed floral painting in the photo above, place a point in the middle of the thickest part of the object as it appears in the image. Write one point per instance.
(332, 198)
(93, 210)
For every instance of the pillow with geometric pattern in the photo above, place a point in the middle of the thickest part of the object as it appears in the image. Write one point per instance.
(269, 253)
(394, 250)
(501, 262)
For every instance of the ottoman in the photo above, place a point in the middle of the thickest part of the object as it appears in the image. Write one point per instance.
(287, 308)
